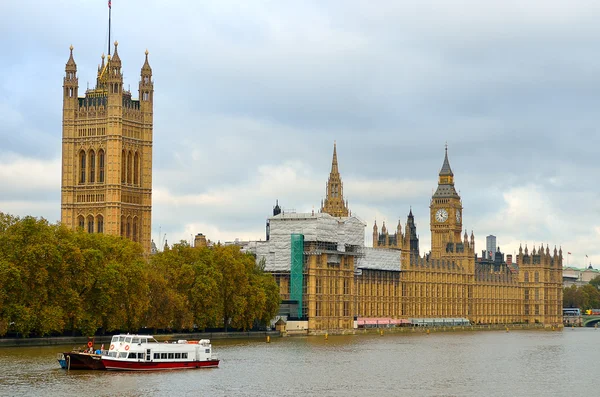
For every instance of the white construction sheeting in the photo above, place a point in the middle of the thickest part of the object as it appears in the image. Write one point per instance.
(319, 227)
(379, 259)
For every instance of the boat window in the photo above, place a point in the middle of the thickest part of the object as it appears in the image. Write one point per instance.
(123, 355)
(163, 356)
(156, 356)
(128, 339)
(177, 355)
(114, 339)
(112, 354)
(183, 355)
(207, 351)
(144, 340)
(171, 355)
(135, 340)
(141, 355)
(121, 339)
(132, 355)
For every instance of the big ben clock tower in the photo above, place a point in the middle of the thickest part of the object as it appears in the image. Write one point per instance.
(445, 213)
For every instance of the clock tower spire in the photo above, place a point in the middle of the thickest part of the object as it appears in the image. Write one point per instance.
(445, 213)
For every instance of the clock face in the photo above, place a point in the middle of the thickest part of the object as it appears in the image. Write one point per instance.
(457, 215)
(441, 215)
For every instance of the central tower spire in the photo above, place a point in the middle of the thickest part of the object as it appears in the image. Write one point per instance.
(334, 203)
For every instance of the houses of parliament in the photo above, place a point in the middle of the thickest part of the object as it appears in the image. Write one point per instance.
(107, 188)
(344, 281)
(107, 152)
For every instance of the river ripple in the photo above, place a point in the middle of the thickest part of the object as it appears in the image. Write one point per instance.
(493, 363)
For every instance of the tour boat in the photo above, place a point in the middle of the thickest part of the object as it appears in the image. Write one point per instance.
(144, 353)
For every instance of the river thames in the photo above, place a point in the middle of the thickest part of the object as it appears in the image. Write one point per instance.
(492, 363)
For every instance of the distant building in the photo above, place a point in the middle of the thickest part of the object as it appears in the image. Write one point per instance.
(579, 277)
(490, 245)
(509, 259)
(200, 240)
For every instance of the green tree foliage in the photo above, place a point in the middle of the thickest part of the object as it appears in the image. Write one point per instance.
(212, 287)
(584, 297)
(595, 282)
(54, 280)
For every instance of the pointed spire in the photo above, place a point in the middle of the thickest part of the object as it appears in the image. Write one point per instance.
(146, 67)
(334, 161)
(410, 214)
(446, 170)
(277, 208)
(116, 59)
(71, 65)
(375, 226)
(334, 203)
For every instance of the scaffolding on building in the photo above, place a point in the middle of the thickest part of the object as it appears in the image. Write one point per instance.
(322, 233)
(296, 271)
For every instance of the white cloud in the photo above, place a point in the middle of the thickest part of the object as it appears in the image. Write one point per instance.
(19, 173)
(250, 96)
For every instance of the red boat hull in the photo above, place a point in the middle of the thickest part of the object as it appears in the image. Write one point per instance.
(155, 366)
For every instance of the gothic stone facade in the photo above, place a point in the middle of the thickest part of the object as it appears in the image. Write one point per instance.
(445, 283)
(107, 153)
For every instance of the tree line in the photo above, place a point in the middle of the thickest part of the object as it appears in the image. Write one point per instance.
(55, 281)
(584, 297)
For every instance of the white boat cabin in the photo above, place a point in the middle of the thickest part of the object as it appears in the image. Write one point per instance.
(146, 348)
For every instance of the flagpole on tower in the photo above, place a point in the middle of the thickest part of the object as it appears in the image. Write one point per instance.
(109, 9)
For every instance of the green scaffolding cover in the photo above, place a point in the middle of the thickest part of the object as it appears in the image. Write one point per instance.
(296, 277)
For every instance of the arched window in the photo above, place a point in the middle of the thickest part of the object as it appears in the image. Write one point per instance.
(122, 226)
(90, 228)
(82, 167)
(135, 229)
(101, 166)
(129, 166)
(128, 228)
(81, 221)
(123, 167)
(100, 222)
(92, 166)
(136, 170)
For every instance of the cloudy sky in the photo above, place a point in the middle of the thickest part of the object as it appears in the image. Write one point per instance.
(250, 96)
